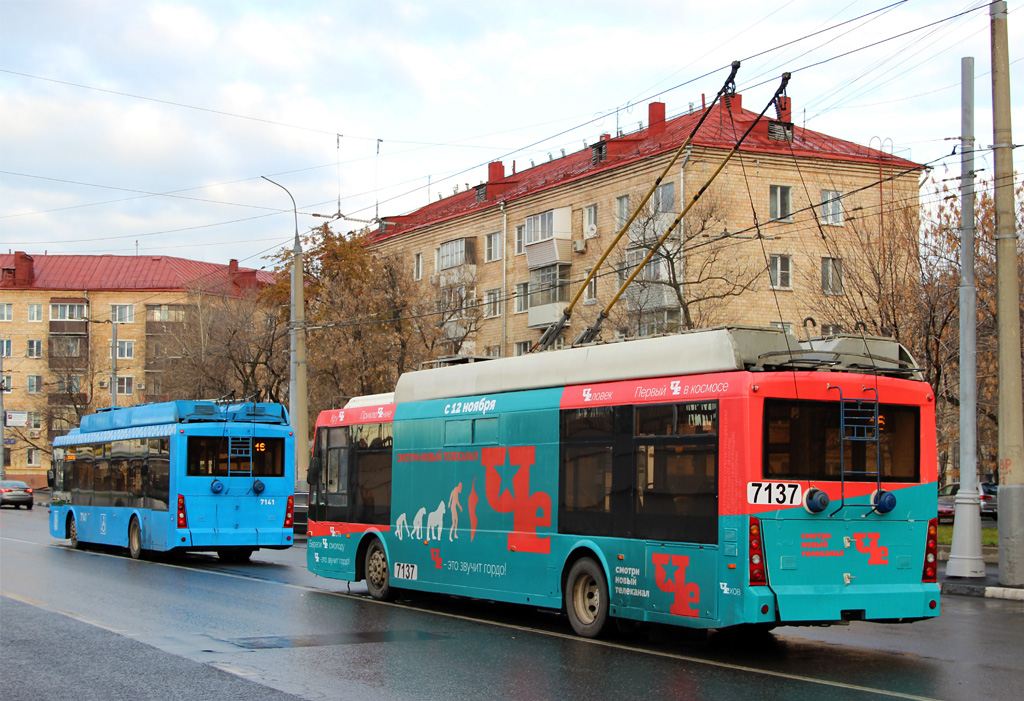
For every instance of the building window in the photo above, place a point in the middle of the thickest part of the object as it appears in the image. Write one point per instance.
(832, 276)
(591, 291)
(5, 347)
(520, 240)
(784, 325)
(35, 348)
(70, 384)
(621, 211)
(492, 247)
(8, 386)
(664, 200)
(125, 350)
(165, 312)
(453, 299)
(548, 285)
(540, 227)
(122, 313)
(590, 221)
(452, 254)
(67, 312)
(493, 351)
(831, 329)
(35, 420)
(34, 384)
(654, 271)
(35, 312)
(66, 347)
(125, 385)
(780, 270)
(417, 266)
(781, 202)
(831, 207)
(7, 311)
(34, 457)
(492, 303)
(522, 297)
(522, 347)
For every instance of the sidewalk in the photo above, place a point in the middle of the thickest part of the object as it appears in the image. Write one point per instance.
(987, 586)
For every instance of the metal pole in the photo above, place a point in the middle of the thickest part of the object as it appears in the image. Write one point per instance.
(113, 364)
(3, 422)
(965, 558)
(297, 384)
(1011, 423)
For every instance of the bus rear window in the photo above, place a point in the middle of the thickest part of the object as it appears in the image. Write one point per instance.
(232, 455)
(802, 441)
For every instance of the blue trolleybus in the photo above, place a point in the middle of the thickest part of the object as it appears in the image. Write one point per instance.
(713, 479)
(177, 476)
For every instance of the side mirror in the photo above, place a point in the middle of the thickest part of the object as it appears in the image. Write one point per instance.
(313, 473)
(50, 478)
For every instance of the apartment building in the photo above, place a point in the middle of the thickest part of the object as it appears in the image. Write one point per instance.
(59, 315)
(769, 238)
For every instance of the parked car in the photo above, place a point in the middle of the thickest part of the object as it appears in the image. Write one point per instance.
(16, 494)
(300, 512)
(987, 495)
(946, 512)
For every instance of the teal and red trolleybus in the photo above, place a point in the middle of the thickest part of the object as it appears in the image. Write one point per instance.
(177, 476)
(728, 477)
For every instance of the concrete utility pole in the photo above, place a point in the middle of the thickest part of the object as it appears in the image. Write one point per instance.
(298, 387)
(113, 363)
(3, 422)
(965, 558)
(1011, 416)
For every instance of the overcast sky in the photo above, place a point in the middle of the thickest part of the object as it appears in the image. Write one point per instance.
(135, 126)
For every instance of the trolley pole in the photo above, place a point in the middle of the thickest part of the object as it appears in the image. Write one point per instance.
(965, 558)
(1011, 416)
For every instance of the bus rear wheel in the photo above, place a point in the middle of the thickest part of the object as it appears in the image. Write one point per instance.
(73, 534)
(378, 575)
(134, 539)
(586, 598)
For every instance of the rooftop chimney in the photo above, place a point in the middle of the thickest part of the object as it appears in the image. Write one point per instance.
(656, 117)
(785, 108)
(24, 272)
(495, 171)
(735, 103)
(233, 267)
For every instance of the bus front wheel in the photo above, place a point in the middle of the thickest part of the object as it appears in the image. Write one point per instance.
(134, 539)
(586, 598)
(378, 576)
(73, 534)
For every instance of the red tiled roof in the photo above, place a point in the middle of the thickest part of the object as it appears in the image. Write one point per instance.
(106, 272)
(721, 129)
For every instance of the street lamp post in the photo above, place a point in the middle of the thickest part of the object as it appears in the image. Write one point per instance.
(297, 384)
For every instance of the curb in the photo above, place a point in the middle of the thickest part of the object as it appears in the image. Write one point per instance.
(979, 590)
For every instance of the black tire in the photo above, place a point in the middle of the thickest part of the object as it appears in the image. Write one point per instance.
(29, 506)
(134, 539)
(73, 533)
(586, 598)
(235, 554)
(378, 572)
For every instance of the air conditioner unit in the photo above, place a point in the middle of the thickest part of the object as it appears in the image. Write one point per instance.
(433, 279)
(34, 433)
(104, 384)
(579, 245)
(590, 231)
(140, 386)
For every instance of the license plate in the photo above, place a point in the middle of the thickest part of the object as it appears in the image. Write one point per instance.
(774, 493)
(405, 570)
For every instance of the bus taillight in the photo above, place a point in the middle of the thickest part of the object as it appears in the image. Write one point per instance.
(757, 575)
(182, 518)
(289, 512)
(931, 552)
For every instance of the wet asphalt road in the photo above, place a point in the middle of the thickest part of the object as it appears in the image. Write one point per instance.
(96, 624)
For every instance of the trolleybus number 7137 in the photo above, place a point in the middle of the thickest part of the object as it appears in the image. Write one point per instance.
(772, 493)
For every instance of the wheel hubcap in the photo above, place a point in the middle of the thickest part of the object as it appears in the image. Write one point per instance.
(586, 599)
